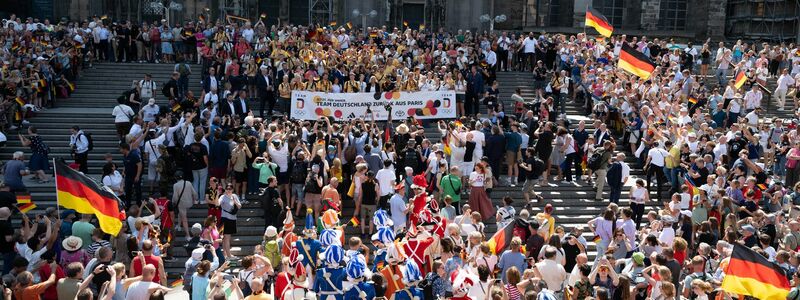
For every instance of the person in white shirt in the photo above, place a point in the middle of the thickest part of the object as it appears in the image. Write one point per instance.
(784, 82)
(146, 87)
(149, 111)
(550, 271)
(122, 117)
(752, 98)
(141, 290)
(529, 50)
(152, 153)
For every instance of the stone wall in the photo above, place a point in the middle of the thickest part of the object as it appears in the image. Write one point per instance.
(650, 13)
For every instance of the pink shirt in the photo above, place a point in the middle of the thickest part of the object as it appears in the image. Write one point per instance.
(212, 235)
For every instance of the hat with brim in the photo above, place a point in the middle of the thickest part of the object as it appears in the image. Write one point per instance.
(72, 243)
(749, 228)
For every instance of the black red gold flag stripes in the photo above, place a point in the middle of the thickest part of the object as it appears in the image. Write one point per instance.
(76, 191)
(599, 22)
(635, 62)
(501, 239)
(748, 273)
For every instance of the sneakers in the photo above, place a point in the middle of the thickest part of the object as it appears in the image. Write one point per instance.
(26, 122)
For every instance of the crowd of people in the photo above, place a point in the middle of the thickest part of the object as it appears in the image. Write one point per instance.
(389, 209)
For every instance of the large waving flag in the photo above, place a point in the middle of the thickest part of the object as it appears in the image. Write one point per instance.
(692, 189)
(599, 22)
(635, 62)
(84, 195)
(501, 239)
(748, 273)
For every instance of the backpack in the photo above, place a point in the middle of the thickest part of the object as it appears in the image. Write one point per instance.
(312, 187)
(299, 171)
(165, 89)
(411, 159)
(89, 140)
(426, 285)
(350, 152)
(596, 160)
(183, 69)
(272, 250)
(179, 137)
(538, 167)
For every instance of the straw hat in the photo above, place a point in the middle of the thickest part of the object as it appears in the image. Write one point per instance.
(72, 243)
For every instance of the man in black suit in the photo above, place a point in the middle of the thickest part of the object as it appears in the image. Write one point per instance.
(266, 87)
(228, 107)
(240, 104)
(211, 80)
(279, 75)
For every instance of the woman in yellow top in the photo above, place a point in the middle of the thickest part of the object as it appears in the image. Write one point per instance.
(336, 169)
(251, 68)
(324, 85)
(351, 86)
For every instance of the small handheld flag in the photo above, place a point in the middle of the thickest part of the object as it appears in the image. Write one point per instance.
(176, 283)
(24, 203)
(740, 80)
(349, 25)
(599, 22)
(354, 222)
(332, 23)
(405, 23)
(692, 100)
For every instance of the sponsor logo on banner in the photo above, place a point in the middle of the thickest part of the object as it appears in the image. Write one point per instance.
(343, 106)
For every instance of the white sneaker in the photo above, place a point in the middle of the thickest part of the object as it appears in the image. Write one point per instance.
(12, 127)
(178, 228)
(25, 122)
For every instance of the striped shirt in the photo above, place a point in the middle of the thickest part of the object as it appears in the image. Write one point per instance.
(92, 250)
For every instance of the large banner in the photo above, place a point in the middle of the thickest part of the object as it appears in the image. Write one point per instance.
(346, 106)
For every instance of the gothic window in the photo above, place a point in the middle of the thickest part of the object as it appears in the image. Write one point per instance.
(672, 15)
(611, 9)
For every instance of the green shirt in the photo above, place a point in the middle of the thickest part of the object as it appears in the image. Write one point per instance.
(84, 231)
(265, 170)
(450, 184)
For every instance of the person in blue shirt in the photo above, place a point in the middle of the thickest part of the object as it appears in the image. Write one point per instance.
(513, 155)
(512, 258)
(330, 278)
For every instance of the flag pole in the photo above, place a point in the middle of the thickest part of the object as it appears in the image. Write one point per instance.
(55, 178)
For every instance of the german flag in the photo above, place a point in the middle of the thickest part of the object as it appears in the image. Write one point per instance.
(599, 22)
(692, 100)
(501, 239)
(176, 107)
(692, 190)
(42, 85)
(70, 85)
(20, 101)
(635, 62)
(201, 18)
(373, 34)
(77, 191)
(176, 283)
(748, 273)
(354, 222)
(740, 80)
(405, 23)
(349, 25)
(24, 203)
(332, 23)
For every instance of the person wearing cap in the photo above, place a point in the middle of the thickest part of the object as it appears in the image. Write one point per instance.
(398, 207)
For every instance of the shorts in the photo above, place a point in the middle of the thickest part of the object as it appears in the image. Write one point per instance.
(230, 226)
(299, 191)
(527, 188)
(152, 175)
(367, 210)
(460, 98)
(539, 84)
(313, 200)
(283, 178)
(240, 176)
(467, 167)
(123, 127)
(512, 157)
(219, 173)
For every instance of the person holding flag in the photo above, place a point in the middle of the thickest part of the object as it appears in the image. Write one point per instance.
(309, 247)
